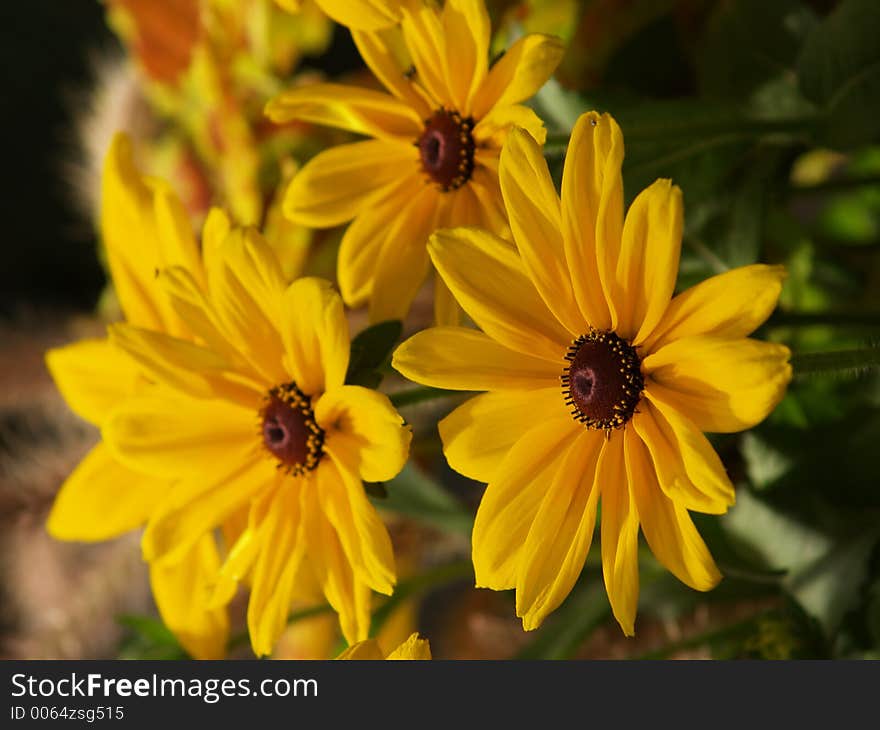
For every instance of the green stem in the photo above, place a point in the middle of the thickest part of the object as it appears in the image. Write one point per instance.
(418, 395)
(842, 361)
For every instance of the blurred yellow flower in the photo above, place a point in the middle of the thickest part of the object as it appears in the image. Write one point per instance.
(144, 228)
(433, 159)
(413, 648)
(258, 416)
(361, 14)
(601, 382)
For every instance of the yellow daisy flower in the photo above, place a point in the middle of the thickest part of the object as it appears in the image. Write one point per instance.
(144, 228)
(413, 648)
(257, 416)
(600, 381)
(433, 159)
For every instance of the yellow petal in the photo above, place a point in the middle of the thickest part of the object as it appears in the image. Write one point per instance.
(592, 211)
(363, 537)
(688, 469)
(423, 34)
(519, 73)
(282, 550)
(491, 131)
(466, 30)
(102, 499)
(144, 228)
(368, 650)
(364, 239)
(413, 648)
(733, 305)
(460, 358)
(200, 503)
(403, 260)
(386, 56)
(560, 536)
(172, 436)
(189, 369)
(620, 533)
(505, 304)
(721, 385)
(512, 499)
(93, 376)
(348, 596)
(487, 190)
(181, 592)
(216, 229)
(363, 14)
(478, 434)
(447, 313)
(668, 528)
(335, 185)
(648, 263)
(246, 288)
(369, 427)
(315, 333)
(362, 111)
(533, 205)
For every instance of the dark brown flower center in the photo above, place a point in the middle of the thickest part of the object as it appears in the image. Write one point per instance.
(446, 148)
(289, 430)
(603, 382)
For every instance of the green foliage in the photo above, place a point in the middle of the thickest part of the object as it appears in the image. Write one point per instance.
(370, 353)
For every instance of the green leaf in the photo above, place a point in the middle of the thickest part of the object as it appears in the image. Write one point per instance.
(415, 494)
(748, 42)
(823, 574)
(839, 70)
(370, 350)
(148, 638)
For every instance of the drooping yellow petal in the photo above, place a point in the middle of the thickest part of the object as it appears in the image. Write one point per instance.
(466, 31)
(363, 537)
(348, 596)
(182, 592)
(486, 188)
(173, 436)
(364, 239)
(478, 434)
(423, 33)
(93, 376)
(721, 385)
(505, 304)
(519, 73)
(362, 14)
(368, 428)
(733, 305)
(668, 528)
(533, 205)
(620, 533)
(358, 110)
(688, 469)
(202, 502)
(338, 183)
(272, 587)
(512, 500)
(592, 212)
(413, 648)
(246, 288)
(560, 537)
(460, 358)
(403, 261)
(102, 499)
(648, 262)
(386, 56)
(315, 333)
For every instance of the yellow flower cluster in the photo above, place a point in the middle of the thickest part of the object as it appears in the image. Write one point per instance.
(231, 434)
